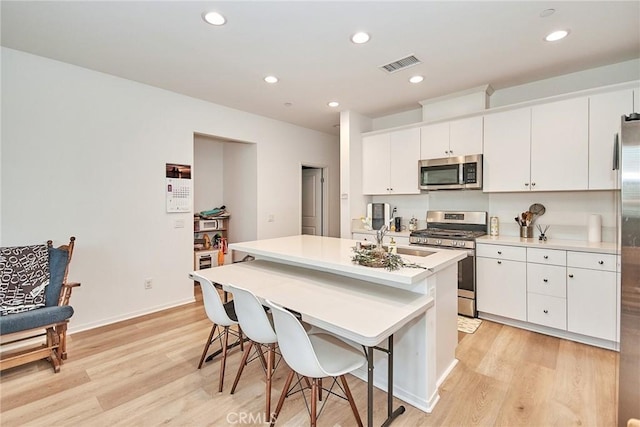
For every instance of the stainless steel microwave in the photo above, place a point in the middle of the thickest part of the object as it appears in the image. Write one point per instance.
(451, 173)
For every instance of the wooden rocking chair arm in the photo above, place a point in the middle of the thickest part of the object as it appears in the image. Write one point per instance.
(65, 293)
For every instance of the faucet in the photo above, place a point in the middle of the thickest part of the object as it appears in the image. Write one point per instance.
(381, 233)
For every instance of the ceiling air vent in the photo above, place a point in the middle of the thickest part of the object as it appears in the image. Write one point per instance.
(400, 64)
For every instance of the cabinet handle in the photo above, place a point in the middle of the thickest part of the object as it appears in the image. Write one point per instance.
(499, 262)
(571, 276)
(545, 311)
(533, 184)
(446, 152)
(450, 151)
(545, 280)
(526, 184)
(616, 153)
(499, 252)
(600, 262)
(546, 257)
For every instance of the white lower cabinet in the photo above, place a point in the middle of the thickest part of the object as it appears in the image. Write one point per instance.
(570, 294)
(502, 283)
(592, 295)
(547, 287)
(547, 310)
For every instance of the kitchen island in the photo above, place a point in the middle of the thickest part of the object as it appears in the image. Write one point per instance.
(425, 346)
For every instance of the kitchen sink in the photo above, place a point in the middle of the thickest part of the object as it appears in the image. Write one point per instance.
(414, 252)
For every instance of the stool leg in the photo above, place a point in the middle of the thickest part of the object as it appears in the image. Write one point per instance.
(241, 338)
(314, 401)
(285, 389)
(352, 403)
(243, 362)
(320, 389)
(223, 362)
(270, 355)
(206, 346)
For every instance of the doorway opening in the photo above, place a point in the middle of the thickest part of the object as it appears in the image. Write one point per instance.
(314, 206)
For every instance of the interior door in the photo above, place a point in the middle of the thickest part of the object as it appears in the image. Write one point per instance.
(312, 201)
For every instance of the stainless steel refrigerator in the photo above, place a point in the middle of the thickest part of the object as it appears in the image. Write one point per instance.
(629, 367)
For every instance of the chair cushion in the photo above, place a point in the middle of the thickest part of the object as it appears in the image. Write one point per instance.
(34, 318)
(230, 308)
(25, 275)
(58, 259)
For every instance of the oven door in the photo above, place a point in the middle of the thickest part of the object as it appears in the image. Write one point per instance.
(467, 285)
(441, 174)
(466, 280)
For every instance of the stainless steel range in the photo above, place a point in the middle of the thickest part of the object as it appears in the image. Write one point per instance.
(458, 231)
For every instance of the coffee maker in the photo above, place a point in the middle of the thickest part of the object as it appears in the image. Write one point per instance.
(379, 214)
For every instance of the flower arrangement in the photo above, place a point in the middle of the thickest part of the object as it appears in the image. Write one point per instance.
(377, 257)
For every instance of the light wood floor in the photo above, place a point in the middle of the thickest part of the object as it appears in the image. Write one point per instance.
(143, 372)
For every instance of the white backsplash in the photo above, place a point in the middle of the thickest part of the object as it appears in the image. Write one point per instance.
(567, 213)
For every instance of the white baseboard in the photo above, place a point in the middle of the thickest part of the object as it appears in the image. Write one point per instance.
(109, 321)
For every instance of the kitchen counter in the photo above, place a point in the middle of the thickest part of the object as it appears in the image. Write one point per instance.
(424, 347)
(334, 255)
(567, 245)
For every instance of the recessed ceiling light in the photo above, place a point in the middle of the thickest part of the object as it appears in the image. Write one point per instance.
(416, 79)
(333, 104)
(557, 35)
(361, 37)
(288, 104)
(271, 79)
(214, 18)
(547, 12)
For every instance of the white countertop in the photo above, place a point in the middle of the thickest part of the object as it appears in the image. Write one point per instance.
(334, 255)
(361, 311)
(568, 245)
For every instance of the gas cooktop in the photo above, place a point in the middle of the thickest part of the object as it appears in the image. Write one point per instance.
(451, 229)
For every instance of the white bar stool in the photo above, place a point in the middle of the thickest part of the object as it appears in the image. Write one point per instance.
(313, 356)
(222, 316)
(257, 327)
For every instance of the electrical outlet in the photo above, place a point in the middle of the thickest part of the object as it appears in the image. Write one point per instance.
(148, 283)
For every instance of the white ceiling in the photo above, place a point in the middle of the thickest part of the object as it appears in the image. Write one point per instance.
(306, 44)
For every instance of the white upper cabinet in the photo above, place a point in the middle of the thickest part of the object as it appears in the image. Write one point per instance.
(390, 162)
(450, 139)
(636, 100)
(560, 145)
(542, 148)
(404, 156)
(375, 164)
(434, 141)
(465, 136)
(605, 111)
(507, 137)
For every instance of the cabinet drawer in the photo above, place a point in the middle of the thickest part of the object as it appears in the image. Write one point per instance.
(514, 253)
(594, 261)
(547, 280)
(547, 310)
(547, 256)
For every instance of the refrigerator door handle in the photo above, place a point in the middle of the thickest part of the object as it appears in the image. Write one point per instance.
(616, 153)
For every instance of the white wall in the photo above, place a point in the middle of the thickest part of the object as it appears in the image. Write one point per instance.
(207, 173)
(84, 153)
(240, 183)
(573, 82)
(352, 202)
